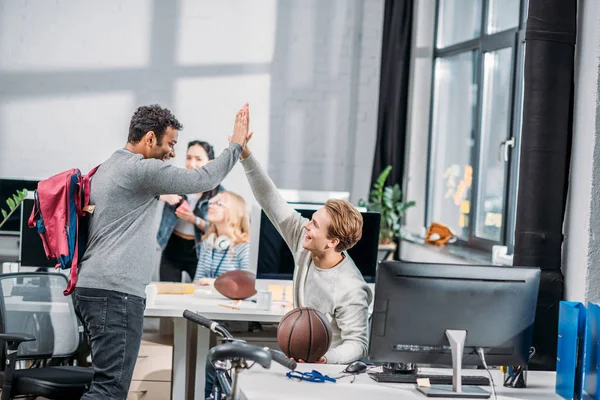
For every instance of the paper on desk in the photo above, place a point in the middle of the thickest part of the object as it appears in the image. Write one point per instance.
(423, 382)
(282, 293)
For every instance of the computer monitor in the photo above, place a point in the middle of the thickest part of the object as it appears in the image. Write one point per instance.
(422, 310)
(271, 258)
(31, 248)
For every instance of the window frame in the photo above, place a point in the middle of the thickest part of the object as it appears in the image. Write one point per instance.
(511, 38)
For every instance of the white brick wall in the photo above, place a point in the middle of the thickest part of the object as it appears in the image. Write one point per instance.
(325, 86)
(309, 68)
(367, 97)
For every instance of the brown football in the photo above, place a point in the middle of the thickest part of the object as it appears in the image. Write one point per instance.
(236, 285)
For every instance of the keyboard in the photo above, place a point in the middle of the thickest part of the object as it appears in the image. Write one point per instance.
(389, 377)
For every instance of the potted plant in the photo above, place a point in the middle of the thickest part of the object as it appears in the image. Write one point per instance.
(13, 204)
(387, 200)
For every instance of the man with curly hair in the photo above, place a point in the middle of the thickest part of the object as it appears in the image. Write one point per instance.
(119, 260)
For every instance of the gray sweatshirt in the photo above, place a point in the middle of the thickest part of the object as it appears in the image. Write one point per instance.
(120, 253)
(340, 292)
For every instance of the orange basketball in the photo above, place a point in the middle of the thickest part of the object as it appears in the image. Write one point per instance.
(304, 334)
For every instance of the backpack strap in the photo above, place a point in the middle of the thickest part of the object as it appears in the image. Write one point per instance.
(85, 187)
(34, 212)
(74, 268)
(75, 260)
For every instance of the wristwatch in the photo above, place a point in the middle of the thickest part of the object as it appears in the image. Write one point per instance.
(198, 220)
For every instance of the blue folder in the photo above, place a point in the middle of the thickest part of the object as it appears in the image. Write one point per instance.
(591, 358)
(571, 350)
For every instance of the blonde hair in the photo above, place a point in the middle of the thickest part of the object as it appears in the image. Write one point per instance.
(346, 223)
(237, 219)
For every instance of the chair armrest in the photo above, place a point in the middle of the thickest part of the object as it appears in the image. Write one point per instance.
(16, 338)
(13, 340)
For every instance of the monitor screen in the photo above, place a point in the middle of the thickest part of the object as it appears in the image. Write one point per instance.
(31, 252)
(416, 303)
(275, 259)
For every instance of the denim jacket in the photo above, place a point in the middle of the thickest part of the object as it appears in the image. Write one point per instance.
(169, 220)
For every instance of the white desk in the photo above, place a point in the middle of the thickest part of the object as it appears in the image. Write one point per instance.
(259, 383)
(208, 305)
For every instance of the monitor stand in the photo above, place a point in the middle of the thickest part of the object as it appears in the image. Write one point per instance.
(456, 390)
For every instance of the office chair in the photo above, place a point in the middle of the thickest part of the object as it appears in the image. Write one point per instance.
(38, 323)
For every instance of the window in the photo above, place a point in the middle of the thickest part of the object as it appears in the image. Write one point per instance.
(475, 119)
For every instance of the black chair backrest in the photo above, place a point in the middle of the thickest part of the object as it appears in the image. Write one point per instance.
(34, 303)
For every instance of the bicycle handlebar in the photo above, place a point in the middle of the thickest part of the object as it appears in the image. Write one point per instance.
(275, 355)
(230, 351)
(280, 358)
(207, 323)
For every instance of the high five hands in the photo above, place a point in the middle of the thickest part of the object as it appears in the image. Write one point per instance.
(241, 134)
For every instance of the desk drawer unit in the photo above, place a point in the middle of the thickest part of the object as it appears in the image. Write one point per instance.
(146, 390)
(154, 363)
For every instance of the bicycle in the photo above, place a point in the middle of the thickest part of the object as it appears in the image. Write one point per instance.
(238, 353)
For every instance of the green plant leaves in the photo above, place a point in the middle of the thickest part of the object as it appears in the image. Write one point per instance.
(13, 203)
(387, 200)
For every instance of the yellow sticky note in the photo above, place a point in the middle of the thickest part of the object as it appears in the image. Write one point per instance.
(289, 293)
(465, 207)
(277, 291)
(423, 382)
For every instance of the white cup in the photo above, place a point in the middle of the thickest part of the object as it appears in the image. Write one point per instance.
(263, 299)
(151, 291)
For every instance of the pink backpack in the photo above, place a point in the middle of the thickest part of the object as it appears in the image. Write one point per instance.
(61, 201)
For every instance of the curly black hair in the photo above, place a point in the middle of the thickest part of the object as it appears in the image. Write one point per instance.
(151, 118)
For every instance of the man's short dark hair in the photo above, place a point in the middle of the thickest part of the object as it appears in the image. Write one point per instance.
(151, 118)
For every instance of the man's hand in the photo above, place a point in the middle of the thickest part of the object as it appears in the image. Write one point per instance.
(240, 127)
(186, 215)
(172, 199)
(246, 152)
(322, 360)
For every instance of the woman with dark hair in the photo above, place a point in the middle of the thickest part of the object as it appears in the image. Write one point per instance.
(184, 220)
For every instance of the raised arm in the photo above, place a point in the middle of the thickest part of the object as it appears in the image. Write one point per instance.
(286, 220)
(157, 177)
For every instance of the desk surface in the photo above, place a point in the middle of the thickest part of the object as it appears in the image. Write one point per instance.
(210, 305)
(259, 383)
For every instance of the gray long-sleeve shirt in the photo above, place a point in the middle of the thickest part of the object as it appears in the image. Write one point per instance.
(339, 292)
(121, 248)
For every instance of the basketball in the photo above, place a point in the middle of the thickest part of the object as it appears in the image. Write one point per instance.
(236, 285)
(304, 334)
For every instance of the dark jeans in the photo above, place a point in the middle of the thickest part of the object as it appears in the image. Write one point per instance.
(179, 255)
(113, 322)
(209, 379)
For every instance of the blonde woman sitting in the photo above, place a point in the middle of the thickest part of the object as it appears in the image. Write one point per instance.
(225, 245)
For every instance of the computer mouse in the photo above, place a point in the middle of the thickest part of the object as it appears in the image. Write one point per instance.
(356, 367)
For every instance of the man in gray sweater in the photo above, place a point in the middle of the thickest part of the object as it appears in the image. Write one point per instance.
(119, 259)
(325, 277)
